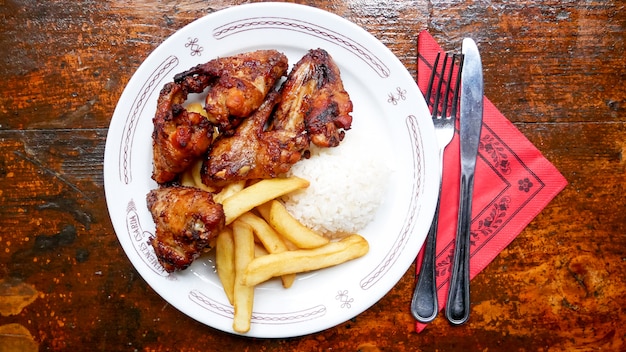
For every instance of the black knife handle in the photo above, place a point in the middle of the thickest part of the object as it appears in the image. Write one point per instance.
(458, 303)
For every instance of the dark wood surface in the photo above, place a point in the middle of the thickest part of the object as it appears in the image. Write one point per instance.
(555, 68)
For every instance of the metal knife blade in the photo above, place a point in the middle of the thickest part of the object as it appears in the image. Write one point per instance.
(458, 305)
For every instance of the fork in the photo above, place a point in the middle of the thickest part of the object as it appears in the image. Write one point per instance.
(424, 306)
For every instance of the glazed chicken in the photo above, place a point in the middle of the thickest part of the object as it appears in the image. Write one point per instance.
(311, 106)
(179, 137)
(253, 152)
(236, 87)
(187, 220)
(314, 93)
(261, 134)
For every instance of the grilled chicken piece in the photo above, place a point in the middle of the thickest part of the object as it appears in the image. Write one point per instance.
(179, 137)
(312, 105)
(314, 93)
(252, 152)
(237, 85)
(187, 220)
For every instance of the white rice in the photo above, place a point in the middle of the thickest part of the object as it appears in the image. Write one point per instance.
(347, 186)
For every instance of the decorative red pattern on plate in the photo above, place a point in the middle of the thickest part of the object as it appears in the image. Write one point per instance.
(513, 183)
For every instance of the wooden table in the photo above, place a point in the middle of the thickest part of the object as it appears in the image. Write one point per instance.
(555, 68)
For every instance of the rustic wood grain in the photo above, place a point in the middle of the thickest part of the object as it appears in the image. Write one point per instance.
(554, 68)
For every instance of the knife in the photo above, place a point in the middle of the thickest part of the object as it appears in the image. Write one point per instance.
(458, 305)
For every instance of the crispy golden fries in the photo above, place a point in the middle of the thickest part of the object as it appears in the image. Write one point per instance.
(225, 261)
(279, 218)
(270, 239)
(259, 193)
(265, 233)
(259, 250)
(252, 249)
(264, 268)
(243, 296)
(191, 177)
(229, 190)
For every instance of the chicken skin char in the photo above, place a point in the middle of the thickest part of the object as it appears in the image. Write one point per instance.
(311, 106)
(187, 220)
(237, 85)
(252, 152)
(314, 94)
(261, 133)
(179, 137)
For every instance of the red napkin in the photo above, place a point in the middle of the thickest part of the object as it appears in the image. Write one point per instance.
(513, 183)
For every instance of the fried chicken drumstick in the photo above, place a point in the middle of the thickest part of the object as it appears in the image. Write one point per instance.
(312, 106)
(237, 85)
(187, 220)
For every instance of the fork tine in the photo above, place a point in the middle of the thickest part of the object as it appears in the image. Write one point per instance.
(438, 92)
(445, 96)
(431, 80)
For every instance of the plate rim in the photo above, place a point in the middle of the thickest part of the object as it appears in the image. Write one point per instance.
(289, 9)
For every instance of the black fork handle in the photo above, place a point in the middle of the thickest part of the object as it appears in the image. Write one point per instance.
(424, 306)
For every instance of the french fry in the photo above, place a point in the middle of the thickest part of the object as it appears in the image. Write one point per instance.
(264, 210)
(229, 190)
(186, 179)
(302, 260)
(289, 227)
(225, 261)
(243, 294)
(264, 232)
(191, 178)
(259, 250)
(197, 180)
(270, 240)
(259, 193)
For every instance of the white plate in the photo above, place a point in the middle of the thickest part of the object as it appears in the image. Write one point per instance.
(386, 101)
